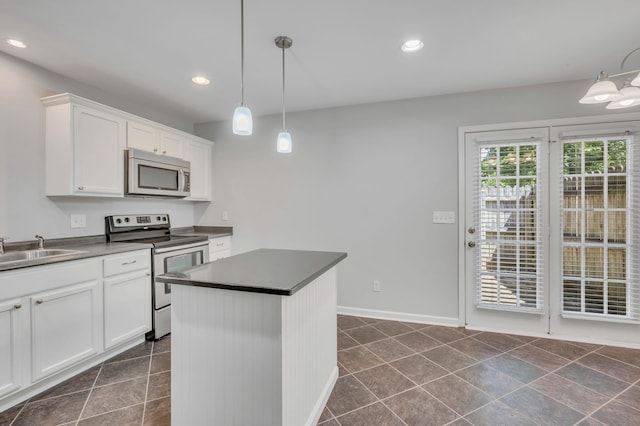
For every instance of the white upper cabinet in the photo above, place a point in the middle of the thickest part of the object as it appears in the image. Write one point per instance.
(172, 144)
(199, 154)
(142, 136)
(84, 149)
(148, 137)
(85, 143)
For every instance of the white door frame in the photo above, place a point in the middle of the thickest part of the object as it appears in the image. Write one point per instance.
(462, 176)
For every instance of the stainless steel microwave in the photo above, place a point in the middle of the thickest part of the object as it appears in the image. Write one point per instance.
(149, 174)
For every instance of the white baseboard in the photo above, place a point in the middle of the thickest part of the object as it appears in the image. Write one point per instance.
(398, 316)
(322, 400)
(565, 337)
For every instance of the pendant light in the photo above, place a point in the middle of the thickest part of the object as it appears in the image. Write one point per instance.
(242, 120)
(605, 90)
(283, 143)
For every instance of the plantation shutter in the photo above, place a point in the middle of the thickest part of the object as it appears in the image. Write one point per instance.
(509, 201)
(599, 222)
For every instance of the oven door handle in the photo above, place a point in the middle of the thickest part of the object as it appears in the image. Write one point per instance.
(182, 247)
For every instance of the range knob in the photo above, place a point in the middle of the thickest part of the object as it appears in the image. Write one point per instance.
(118, 220)
(126, 219)
(164, 218)
(158, 218)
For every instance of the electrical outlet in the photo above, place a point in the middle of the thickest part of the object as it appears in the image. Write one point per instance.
(78, 221)
(225, 215)
(444, 217)
(376, 285)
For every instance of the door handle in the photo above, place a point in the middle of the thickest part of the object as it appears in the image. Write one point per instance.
(471, 244)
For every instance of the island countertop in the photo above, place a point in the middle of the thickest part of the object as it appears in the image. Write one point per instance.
(270, 271)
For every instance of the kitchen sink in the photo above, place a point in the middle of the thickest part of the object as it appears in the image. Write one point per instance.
(27, 255)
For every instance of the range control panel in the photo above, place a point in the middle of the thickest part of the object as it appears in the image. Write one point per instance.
(126, 221)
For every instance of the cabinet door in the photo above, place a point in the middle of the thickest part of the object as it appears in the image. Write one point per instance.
(199, 155)
(14, 358)
(127, 306)
(142, 136)
(98, 146)
(219, 248)
(172, 145)
(66, 327)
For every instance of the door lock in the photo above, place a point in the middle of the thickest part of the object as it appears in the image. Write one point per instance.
(472, 230)
(471, 244)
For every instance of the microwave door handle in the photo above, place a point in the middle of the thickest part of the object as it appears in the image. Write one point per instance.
(182, 179)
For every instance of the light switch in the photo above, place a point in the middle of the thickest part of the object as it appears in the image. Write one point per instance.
(444, 217)
(225, 215)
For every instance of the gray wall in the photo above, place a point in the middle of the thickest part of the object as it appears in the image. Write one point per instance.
(24, 209)
(365, 179)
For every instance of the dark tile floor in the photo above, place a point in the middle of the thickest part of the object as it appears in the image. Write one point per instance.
(391, 373)
(394, 373)
(133, 388)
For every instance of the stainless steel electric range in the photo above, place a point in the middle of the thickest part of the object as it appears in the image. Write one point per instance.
(170, 253)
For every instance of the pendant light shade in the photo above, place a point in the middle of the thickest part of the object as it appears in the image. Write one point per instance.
(242, 122)
(604, 90)
(283, 143)
(630, 98)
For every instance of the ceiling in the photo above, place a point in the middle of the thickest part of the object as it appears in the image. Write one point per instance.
(344, 51)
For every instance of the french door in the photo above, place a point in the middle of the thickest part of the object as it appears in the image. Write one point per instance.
(551, 231)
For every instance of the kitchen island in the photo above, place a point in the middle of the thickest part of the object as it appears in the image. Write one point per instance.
(254, 339)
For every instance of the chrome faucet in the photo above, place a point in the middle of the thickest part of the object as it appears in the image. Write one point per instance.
(1, 245)
(40, 242)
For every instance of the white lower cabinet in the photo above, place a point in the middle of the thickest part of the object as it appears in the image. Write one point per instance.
(127, 297)
(66, 327)
(14, 334)
(219, 248)
(60, 318)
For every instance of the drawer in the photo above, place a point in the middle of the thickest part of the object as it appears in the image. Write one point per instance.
(219, 244)
(127, 262)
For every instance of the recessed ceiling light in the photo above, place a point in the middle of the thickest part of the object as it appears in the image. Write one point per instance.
(200, 80)
(412, 46)
(16, 43)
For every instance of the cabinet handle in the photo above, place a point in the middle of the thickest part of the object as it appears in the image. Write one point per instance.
(148, 274)
(39, 302)
(164, 152)
(81, 188)
(155, 149)
(129, 263)
(18, 305)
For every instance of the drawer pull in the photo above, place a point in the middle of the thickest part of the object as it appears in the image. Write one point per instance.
(129, 263)
(39, 302)
(81, 188)
(18, 305)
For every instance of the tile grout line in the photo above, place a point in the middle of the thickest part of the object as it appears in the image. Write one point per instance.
(86, 401)
(146, 392)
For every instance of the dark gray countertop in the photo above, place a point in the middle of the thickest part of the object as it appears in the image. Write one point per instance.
(89, 246)
(271, 271)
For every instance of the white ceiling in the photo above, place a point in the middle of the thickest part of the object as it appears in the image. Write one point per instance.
(344, 51)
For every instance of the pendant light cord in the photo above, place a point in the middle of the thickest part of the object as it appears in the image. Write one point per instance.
(283, 109)
(242, 52)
